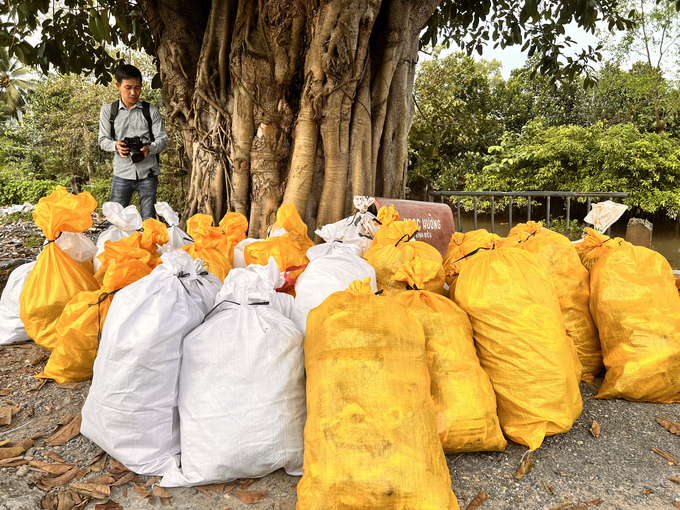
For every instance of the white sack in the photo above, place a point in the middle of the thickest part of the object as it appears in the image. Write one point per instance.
(131, 409)
(332, 267)
(77, 245)
(242, 388)
(11, 327)
(176, 236)
(239, 252)
(358, 229)
(125, 222)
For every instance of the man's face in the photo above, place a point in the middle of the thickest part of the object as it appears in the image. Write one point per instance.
(129, 91)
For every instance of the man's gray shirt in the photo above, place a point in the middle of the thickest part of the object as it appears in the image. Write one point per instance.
(132, 123)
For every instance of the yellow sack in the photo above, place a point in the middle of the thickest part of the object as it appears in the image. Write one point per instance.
(636, 307)
(56, 277)
(206, 238)
(572, 283)
(287, 217)
(290, 258)
(394, 249)
(371, 434)
(386, 216)
(154, 234)
(234, 227)
(462, 392)
(79, 327)
(521, 343)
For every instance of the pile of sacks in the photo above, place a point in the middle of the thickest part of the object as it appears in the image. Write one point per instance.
(364, 359)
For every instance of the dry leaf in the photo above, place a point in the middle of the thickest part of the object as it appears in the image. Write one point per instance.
(25, 444)
(646, 491)
(92, 489)
(67, 433)
(98, 463)
(60, 480)
(125, 491)
(66, 500)
(82, 472)
(666, 456)
(34, 371)
(127, 477)
(244, 484)
(153, 480)
(70, 386)
(102, 479)
(37, 387)
(595, 429)
(595, 502)
(676, 504)
(53, 469)
(525, 467)
(4, 442)
(13, 451)
(670, 426)
(161, 492)
(249, 497)
(117, 467)
(13, 462)
(478, 501)
(50, 502)
(38, 359)
(143, 491)
(109, 505)
(562, 505)
(53, 456)
(5, 415)
(674, 479)
(4, 393)
(30, 413)
(151, 500)
(65, 420)
(547, 487)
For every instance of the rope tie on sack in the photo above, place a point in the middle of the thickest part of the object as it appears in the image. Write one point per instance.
(214, 308)
(181, 275)
(472, 253)
(412, 287)
(407, 236)
(379, 292)
(102, 297)
(290, 283)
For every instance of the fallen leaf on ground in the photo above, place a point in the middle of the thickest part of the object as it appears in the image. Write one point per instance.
(37, 387)
(676, 504)
(127, 477)
(53, 469)
(562, 505)
(117, 467)
(215, 487)
(109, 505)
(91, 489)
(478, 501)
(646, 491)
(547, 487)
(674, 479)
(594, 502)
(125, 492)
(249, 497)
(595, 429)
(30, 413)
(102, 479)
(13, 462)
(244, 484)
(59, 480)
(666, 456)
(4, 442)
(70, 386)
(25, 444)
(5, 415)
(38, 359)
(161, 492)
(13, 451)
(153, 480)
(67, 433)
(525, 467)
(66, 500)
(30, 370)
(98, 463)
(143, 491)
(670, 426)
(53, 456)
(66, 420)
(82, 472)
(4, 393)
(49, 502)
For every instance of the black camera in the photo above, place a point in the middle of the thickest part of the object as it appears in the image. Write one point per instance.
(134, 145)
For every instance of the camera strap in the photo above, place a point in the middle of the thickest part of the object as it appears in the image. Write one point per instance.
(146, 111)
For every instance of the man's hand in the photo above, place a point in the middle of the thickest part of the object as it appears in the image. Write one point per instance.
(122, 149)
(146, 149)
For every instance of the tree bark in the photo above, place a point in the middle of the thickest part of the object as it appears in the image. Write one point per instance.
(289, 102)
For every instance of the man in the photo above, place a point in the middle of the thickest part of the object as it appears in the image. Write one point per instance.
(130, 118)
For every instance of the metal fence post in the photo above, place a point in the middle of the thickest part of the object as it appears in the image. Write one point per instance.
(529, 210)
(460, 227)
(493, 211)
(510, 213)
(475, 213)
(547, 214)
(568, 214)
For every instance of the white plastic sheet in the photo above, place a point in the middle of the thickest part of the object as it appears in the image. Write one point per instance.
(125, 222)
(242, 388)
(11, 209)
(11, 328)
(239, 252)
(358, 229)
(604, 214)
(176, 236)
(332, 267)
(131, 409)
(77, 245)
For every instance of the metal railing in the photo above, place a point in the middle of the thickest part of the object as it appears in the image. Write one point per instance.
(529, 195)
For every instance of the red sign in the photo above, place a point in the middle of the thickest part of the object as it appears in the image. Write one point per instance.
(435, 221)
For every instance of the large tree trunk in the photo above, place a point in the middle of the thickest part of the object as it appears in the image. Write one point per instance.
(305, 102)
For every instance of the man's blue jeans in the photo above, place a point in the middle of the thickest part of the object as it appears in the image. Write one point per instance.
(123, 189)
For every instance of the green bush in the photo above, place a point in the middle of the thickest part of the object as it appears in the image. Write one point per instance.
(18, 191)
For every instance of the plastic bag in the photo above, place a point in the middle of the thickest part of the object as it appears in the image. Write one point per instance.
(225, 436)
(288, 218)
(386, 216)
(461, 245)
(521, 343)
(77, 246)
(12, 330)
(636, 307)
(234, 227)
(358, 229)
(603, 215)
(131, 409)
(465, 400)
(154, 235)
(176, 236)
(206, 238)
(332, 267)
(572, 284)
(56, 277)
(288, 254)
(124, 221)
(394, 248)
(80, 325)
(239, 252)
(371, 434)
